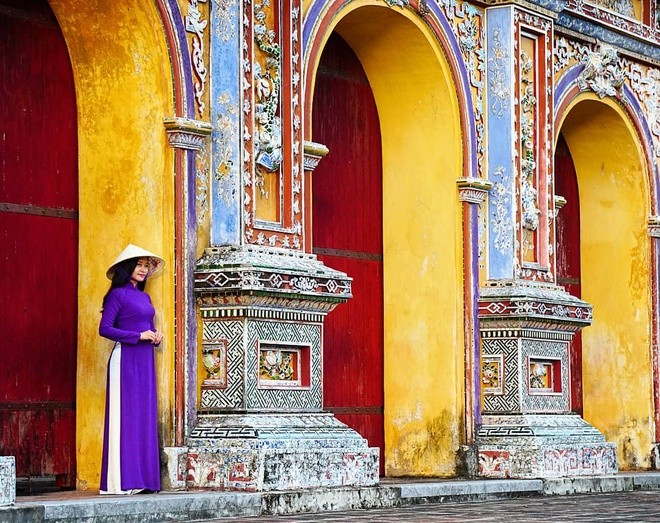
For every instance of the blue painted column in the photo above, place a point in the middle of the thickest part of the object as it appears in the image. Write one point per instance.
(500, 104)
(226, 118)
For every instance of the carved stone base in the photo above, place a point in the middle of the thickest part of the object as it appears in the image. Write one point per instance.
(542, 446)
(264, 452)
(174, 466)
(7, 480)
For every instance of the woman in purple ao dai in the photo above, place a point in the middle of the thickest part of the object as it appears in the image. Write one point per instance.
(130, 440)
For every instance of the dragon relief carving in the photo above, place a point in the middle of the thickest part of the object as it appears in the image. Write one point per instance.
(602, 73)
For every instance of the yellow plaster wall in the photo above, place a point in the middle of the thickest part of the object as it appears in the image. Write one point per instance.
(421, 144)
(615, 259)
(123, 84)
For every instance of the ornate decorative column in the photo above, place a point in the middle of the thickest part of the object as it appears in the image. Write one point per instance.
(526, 320)
(187, 137)
(472, 192)
(262, 296)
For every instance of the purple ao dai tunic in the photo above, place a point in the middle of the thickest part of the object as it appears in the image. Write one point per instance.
(130, 450)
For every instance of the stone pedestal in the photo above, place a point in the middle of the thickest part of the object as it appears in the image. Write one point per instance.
(263, 452)
(261, 424)
(174, 468)
(543, 446)
(527, 430)
(7, 480)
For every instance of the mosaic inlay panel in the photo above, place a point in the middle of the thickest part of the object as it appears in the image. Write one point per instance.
(218, 337)
(214, 359)
(285, 375)
(282, 366)
(520, 389)
(492, 368)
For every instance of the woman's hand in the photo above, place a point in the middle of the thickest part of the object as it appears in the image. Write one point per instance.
(154, 337)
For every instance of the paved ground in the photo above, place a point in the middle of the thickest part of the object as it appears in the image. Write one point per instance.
(637, 507)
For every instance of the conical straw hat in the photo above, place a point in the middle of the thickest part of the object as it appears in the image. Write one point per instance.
(133, 251)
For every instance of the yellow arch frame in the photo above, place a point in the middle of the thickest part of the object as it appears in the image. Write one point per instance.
(616, 279)
(124, 89)
(422, 159)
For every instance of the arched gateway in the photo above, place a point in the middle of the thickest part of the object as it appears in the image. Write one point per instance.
(87, 89)
(395, 156)
(39, 237)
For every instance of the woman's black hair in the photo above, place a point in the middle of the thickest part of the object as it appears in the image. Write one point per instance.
(122, 275)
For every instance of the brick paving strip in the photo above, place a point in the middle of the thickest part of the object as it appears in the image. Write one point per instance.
(393, 500)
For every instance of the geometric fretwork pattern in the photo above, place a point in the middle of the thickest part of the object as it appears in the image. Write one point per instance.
(242, 338)
(308, 334)
(509, 401)
(546, 402)
(230, 397)
(516, 397)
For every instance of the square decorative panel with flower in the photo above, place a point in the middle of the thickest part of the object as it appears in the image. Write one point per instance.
(282, 366)
(491, 374)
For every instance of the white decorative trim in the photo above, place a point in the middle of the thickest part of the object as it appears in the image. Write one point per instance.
(184, 133)
(196, 26)
(313, 153)
(654, 226)
(473, 190)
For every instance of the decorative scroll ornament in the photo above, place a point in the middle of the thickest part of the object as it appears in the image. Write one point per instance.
(195, 25)
(501, 223)
(397, 3)
(499, 88)
(654, 226)
(473, 190)
(313, 154)
(623, 7)
(184, 133)
(601, 73)
(528, 192)
(268, 126)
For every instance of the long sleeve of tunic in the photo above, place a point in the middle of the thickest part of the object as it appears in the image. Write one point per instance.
(127, 312)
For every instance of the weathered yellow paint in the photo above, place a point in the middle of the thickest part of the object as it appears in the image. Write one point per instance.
(123, 85)
(615, 259)
(421, 143)
(267, 196)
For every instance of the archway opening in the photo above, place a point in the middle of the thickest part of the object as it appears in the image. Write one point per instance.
(420, 143)
(121, 69)
(348, 235)
(39, 262)
(614, 261)
(567, 230)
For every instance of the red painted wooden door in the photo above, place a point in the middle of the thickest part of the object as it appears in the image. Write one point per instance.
(347, 235)
(568, 254)
(39, 243)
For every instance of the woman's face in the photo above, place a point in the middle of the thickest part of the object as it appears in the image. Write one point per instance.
(141, 270)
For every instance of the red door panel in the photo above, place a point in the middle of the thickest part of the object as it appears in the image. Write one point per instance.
(38, 242)
(347, 235)
(568, 254)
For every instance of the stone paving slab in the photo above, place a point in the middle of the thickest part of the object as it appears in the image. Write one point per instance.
(80, 507)
(150, 508)
(480, 489)
(619, 507)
